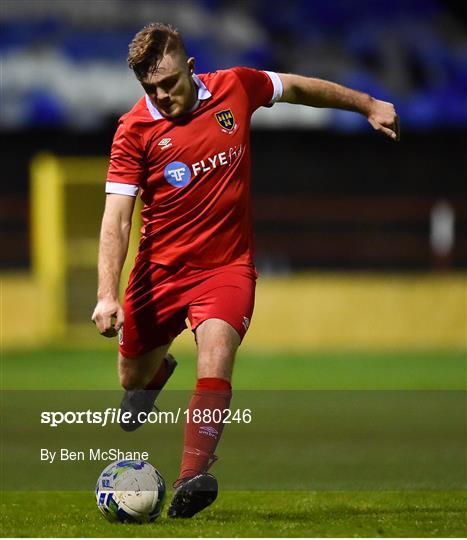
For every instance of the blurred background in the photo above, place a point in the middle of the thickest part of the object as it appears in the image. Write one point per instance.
(361, 243)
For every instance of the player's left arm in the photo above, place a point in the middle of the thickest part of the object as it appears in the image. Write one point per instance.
(319, 93)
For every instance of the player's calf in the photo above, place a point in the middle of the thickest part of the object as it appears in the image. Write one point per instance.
(142, 400)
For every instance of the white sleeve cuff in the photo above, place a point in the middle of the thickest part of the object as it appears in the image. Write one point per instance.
(277, 85)
(121, 189)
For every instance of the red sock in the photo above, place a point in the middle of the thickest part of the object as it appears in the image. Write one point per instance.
(201, 437)
(160, 378)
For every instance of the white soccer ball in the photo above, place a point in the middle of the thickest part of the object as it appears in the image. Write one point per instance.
(130, 491)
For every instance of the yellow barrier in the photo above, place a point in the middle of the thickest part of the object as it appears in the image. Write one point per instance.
(20, 312)
(67, 201)
(361, 311)
(48, 243)
(310, 311)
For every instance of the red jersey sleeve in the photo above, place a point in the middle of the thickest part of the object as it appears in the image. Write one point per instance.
(262, 88)
(126, 167)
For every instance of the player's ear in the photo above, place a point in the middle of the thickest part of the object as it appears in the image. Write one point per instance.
(191, 65)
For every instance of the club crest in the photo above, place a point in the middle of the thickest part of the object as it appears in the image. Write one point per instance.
(226, 119)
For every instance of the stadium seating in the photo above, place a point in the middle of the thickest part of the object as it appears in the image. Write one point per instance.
(398, 46)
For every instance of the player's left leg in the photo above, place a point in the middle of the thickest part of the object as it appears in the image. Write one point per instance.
(217, 345)
(220, 314)
(196, 489)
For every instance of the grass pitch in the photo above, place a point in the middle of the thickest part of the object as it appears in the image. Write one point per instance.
(355, 370)
(249, 513)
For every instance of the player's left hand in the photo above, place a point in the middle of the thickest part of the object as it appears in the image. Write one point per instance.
(383, 117)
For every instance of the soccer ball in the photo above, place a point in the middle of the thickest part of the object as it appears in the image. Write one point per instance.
(130, 491)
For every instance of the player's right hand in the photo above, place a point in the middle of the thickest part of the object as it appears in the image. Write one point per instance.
(108, 317)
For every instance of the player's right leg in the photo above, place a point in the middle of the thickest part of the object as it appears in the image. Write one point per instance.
(143, 379)
(136, 373)
(152, 320)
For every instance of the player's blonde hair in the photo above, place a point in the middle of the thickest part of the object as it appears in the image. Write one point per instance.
(150, 44)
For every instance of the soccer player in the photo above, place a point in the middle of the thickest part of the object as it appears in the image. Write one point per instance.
(185, 148)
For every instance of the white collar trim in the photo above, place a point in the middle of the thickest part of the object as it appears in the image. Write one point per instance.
(203, 93)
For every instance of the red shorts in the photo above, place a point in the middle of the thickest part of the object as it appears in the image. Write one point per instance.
(159, 298)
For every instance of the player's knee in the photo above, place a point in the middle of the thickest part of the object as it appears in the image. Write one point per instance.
(216, 362)
(220, 352)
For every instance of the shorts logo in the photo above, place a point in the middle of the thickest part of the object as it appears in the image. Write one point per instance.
(120, 336)
(177, 174)
(226, 119)
(246, 323)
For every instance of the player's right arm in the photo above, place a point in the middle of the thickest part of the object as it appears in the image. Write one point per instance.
(123, 179)
(113, 246)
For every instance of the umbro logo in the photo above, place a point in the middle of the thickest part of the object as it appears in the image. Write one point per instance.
(166, 142)
(208, 430)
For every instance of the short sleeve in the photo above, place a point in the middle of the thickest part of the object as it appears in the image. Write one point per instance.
(263, 88)
(126, 162)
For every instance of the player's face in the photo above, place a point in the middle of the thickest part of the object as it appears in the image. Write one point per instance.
(171, 88)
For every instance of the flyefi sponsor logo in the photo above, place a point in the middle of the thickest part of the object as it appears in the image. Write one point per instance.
(217, 160)
(178, 174)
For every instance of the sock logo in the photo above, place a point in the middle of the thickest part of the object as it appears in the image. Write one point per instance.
(209, 431)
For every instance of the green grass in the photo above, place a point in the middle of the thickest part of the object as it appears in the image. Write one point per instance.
(252, 514)
(88, 369)
(327, 438)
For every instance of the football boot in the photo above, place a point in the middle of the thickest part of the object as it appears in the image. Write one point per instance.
(193, 495)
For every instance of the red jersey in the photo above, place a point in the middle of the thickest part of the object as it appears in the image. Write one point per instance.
(193, 172)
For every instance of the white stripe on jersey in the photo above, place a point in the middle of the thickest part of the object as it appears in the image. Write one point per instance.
(277, 84)
(121, 189)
